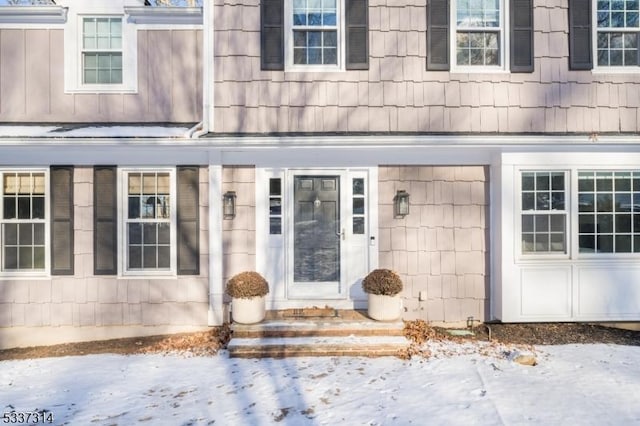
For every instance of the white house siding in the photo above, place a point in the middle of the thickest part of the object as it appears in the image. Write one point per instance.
(440, 249)
(85, 307)
(32, 80)
(396, 93)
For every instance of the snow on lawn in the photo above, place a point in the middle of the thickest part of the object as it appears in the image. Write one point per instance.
(573, 384)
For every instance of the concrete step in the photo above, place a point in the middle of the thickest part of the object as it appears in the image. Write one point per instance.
(317, 327)
(282, 347)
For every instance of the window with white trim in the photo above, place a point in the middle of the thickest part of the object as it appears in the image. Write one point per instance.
(23, 221)
(314, 30)
(479, 36)
(609, 211)
(618, 32)
(101, 50)
(543, 212)
(148, 221)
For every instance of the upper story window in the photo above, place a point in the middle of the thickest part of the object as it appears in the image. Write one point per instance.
(315, 32)
(314, 35)
(618, 30)
(479, 33)
(102, 50)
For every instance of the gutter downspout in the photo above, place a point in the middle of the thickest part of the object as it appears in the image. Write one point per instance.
(207, 72)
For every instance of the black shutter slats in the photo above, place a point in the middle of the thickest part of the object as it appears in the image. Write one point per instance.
(357, 37)
(272, 34)
(105, 221)
(580, 49)
(521, 36)
(62, 241)
(438, 35)
(188, 220)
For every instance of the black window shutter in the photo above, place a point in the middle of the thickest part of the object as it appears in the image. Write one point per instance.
(272, 34)
(357, 24)
(438, 35)
(61, 183)
(188, 220)
(580, 51)
(521, 36)
(105, 221)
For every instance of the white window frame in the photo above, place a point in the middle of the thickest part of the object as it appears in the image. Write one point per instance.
(288, 41)
(567, 213)
(503, 40)
(47, 221)
(73, 31)
(609, 69)
(84, 51)
(600, 255)
(123, 214)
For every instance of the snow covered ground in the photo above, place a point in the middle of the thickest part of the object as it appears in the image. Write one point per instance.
(572, 385)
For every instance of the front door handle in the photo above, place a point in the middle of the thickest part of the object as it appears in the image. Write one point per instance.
(341, 234)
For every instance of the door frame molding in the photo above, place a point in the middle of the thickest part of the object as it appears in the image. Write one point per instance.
(271, 250)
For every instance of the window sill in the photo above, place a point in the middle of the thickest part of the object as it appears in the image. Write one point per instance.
(6, 276)
(102, 89)
(145, 275)
(615, 70)
(313, 68)
(479, 70)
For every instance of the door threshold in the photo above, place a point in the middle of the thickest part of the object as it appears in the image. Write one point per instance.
(315, 312)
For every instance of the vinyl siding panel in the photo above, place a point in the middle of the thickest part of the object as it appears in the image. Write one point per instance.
(32, 80)
(397, 93)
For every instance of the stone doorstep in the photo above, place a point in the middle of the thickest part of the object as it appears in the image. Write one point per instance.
(317, 327)
(375, 346)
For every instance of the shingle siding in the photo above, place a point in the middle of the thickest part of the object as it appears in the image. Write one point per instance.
(440, 249)
(396, 93)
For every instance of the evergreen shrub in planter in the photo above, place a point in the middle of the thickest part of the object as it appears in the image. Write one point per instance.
(383, 287)
(247, 291)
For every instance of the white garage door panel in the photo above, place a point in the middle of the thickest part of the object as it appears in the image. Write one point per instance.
(546, 292)
(609, 293)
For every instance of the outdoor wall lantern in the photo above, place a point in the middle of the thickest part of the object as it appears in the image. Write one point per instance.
(229, 205)
(401, 203)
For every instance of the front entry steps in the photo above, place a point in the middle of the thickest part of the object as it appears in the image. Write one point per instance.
(338, 333)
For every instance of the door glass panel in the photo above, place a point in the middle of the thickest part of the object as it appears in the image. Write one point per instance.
(316, 229)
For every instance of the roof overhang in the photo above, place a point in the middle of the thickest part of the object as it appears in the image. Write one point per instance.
(164, 15)
(33, 15)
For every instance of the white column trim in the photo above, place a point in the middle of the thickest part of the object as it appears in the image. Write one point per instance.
(216, 284)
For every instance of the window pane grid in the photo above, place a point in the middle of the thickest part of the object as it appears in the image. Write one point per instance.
(315, 47)
(478, 32)
(148, 221)
(358, 206)
(23, 221)
(275, 206)
(618, 31)
(477, 48)
(315, 32)
(544, 215)
(102, 51)
(609, 212)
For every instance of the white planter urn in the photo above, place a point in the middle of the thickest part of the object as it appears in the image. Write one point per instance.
(248, 311)
(384, 308)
